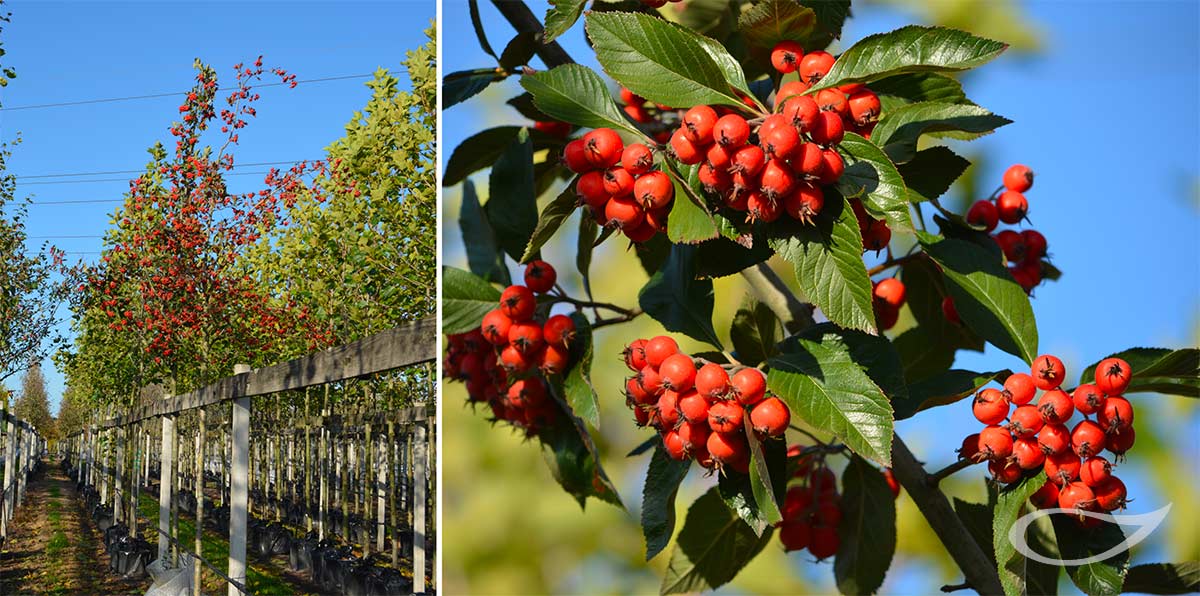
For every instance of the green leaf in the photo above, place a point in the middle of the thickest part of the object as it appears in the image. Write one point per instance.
(867, 530)
(460, 86)
(722, 257)
(653, 253)
(728, 64)
(831, 16)
(754, 496)
(483, 256)
(977, 517)
(1164, 578)
(1010, 502)
(658, 498)
(560, 17)
(1158, 370)
(712, 18)
(660, 61)
(576, 94)
(754, 332)
(577, 384)
(512, 202)
(585, 242)
(985, 295)
(930, 173)
(573, 460)
(944, 389)
(899, 130)
(767, 23)
(1042, 578)
(915, 87)
(713, 546)
(827, 258)
(909, 49)
(1101, 578)
(679, 301)
(689, 222)
(523, 104)
(875, 354)
(480, 35)
(477, 152)
(825, 387)
(922, 353)
(871, 177)
(519, 50)
(466, 298)
(552, 217)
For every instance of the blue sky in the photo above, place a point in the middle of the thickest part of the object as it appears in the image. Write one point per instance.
(1108, 114)
(71, 51)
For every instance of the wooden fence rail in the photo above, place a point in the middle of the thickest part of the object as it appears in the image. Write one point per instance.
(22, 447)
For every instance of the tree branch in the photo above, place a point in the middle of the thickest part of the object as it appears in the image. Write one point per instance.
(523, 20)
(771, 291)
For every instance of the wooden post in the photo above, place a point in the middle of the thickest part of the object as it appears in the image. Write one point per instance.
(166, 459)
(197, 567)
(420, 455)
(9, 473)
(366, 476)
(395, 481)
(381, 480)
(239, 487)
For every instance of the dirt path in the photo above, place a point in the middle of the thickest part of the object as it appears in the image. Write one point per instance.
(53, 548)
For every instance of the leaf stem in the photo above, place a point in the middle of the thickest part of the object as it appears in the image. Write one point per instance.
(893, 262)
(590, 304)
(631, 315)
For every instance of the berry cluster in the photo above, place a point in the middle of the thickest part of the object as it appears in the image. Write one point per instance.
(500, 361)
(1037, 436)
(1025, 249)
(812, 508)
(619, 183)
(642, 111)
(888, 296)
(700, 413)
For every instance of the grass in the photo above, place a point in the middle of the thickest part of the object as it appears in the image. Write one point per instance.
(58, 543)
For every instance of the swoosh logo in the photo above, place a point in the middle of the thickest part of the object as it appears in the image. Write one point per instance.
(1146, 524)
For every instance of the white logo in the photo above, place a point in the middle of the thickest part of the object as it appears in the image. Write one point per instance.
(1146, 523)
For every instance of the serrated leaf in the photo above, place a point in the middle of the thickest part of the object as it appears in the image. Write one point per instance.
(827, 258)
(483, 256)
(477, 152)
(1010, 502)
(575, 93)
(767, 23)
(577, 384)
(915, 87)
(512, 202)
(985, 295)
(560, 17)
(653, 253)
(875, 354)
(689, 222)
(1158, 370)
(466, 298)
(977, 518)
(658, 498)
(1164, 578)
(553, 215)
(679, 301)
(922, 353)
(868, 529)
(523, 104)
(754, 495)
(754, 332)
(728, 64)
(460, 86)
(1101, 578)
(712, 18)
(722, 257)
(713, 546)
(898, 131)
(660, 61)
(519, 50)
(573, 460)
(944, 389)
(825, 387)
(873, 178)
(931, 172)
(831, 16)
(909, 49)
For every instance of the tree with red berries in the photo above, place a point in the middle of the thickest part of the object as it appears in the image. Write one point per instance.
(720, 156)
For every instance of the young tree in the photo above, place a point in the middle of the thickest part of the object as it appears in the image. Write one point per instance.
(33, 405)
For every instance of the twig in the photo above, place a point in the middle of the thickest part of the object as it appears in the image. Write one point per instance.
(936, 477)
(956, 587)
(807, 434)
(633, 314)
(771, 290)
(590, 304)
(523, 20)
(888, 264)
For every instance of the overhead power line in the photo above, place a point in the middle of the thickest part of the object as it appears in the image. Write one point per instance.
(170, 94)
(110, 172)
(119, 179)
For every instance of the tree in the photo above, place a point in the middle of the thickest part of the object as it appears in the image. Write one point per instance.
(33, 405)
(738, 154)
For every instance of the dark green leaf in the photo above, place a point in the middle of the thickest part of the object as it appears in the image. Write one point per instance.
(577, 384)
(561, 15)
(660, 61)
(523, 103)
(825, 387)
(768, 473)
(875, 354)
(584, 245)
(930, 173)
(899, 130)
(689, 222)
(465, 299)
(769, 22)
(1159, 370)
(867, 531)
(922, 353)
(576, 94)
(653, 253)
(915, 87)
(645, 446)
(728, 64)
(679, 301)
(977, 517)
(458, 87)
(909, 49)
(483, 255)
(658, 499)
(872, 177)
(1009, 505)
(1102, 578)
(519, 50)
(831, 15)
(827, 258)
(574, 461)
(722, 257)
(755, 332)
(552, 217)
(477, 152)
(1042, 578)
(944, 389)
(512, 203)
(713, 546)
(712, 18)
(1164, 578)
(985, 295)
(480, 35)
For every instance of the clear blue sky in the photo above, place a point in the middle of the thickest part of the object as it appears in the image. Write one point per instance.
(1109, 116)
(71, 51)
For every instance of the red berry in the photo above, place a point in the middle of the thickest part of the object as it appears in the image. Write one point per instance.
(720, 156)
(618, 182)
(602, 148)
(786, 55)
(891, 291)
(698, 124)
(641, 232)
(630, 98)
(1087, 439)
(1113, 376)
(1119, 443)
(575, 157)
(824, 483)
(876, 236)
(1116, 415)
(1013, 246)
(807, 160)
(725, 416)
(517, 303)
(654, 190)
(770, 417)
(1054, 438)
(678, 372)
(893, 484)
(694, 435)
(795, 535)
(1035, 245)
(553, 360)
(814, 66)
(780, 139)
(805, 202)
(658, 349)
(495, 327)
(995, 442)
(668, 409)
(749, 386)
(729, 449)
(1095, 470)
(731, 130)
(639, 395)
(712, 381)
(1018, 178)
(559, 330)
(983, 213)
(1056, 406)
(864, 107)
(1110, 494)
(1062, 467)
(1027, 454)
(950, 312)
(1048, 372)
(1026, 421)
(686, 150)
(1020, 388)
(1004, 471)
(832, 100)
(762, 207)
(693, 407)
(650, 380)
(777, 180)
(800, 110)
(990, 407)
(673, 444)
(514, 360)
(1077, 496)
(590, 188)
(1012, 206)
(1045, 497)
(635, 355)
(970, 448)
(748, 160)
(540, 276)
(624, 213)
(1087, 399)
(637, 159)
(827, 129)
(526, 336)
(832, 167)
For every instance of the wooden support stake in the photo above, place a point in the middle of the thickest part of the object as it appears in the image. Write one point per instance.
(166, 460)
(197, 567)
(420, 456)
(239, 494)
